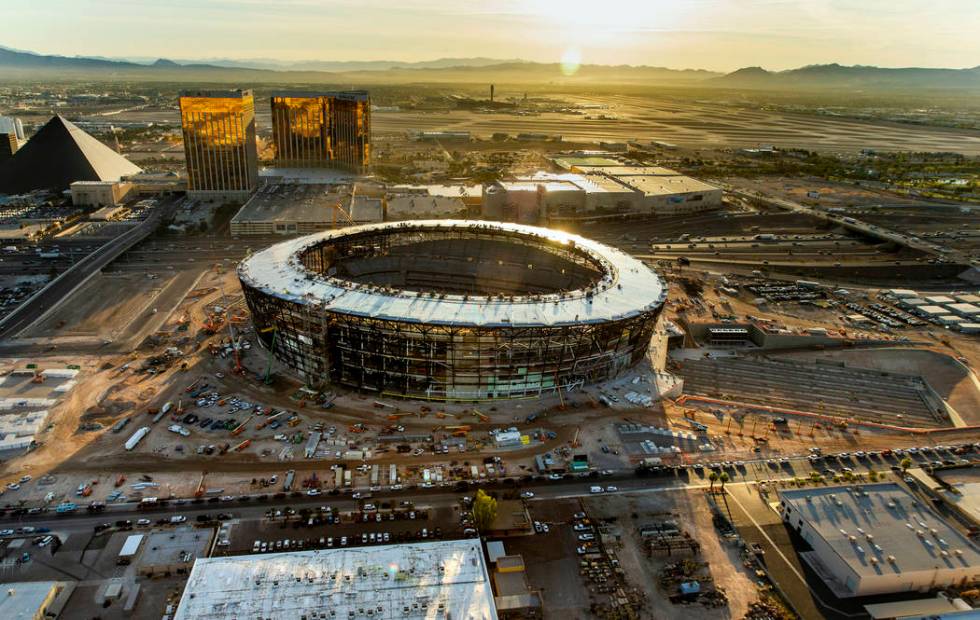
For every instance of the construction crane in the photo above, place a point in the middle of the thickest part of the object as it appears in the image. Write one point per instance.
(482, 416)
(346, 216)
(272, 348)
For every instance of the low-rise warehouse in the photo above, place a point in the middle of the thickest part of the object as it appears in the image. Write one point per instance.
(172, 552)
(294, 209)
(598, 191)
(440, 579)
(877, 539)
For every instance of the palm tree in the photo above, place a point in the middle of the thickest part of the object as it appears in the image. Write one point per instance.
(713, 478)
(723, 478)
(906, 463)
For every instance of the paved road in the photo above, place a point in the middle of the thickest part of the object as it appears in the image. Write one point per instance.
(858, 226)
(58, 289)
(624, 481)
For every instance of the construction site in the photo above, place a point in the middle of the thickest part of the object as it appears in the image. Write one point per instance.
(452, 309)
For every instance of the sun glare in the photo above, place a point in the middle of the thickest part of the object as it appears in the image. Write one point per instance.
(571, 60)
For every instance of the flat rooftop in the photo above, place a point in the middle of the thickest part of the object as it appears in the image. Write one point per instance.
(440, 580)
(880, 521)
(660, 185)
(291, 203)
(23, 600)
(177, 546)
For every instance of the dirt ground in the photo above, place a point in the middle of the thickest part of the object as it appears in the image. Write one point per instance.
(627, 513)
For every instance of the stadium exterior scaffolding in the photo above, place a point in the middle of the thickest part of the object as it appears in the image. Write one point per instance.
(451, 309)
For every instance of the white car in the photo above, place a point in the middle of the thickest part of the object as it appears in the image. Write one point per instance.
(526, 494)
(595, 489)
(611, 489)
(178, 519)
(143, 522)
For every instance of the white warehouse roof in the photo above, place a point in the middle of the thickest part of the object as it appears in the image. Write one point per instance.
(439, 580)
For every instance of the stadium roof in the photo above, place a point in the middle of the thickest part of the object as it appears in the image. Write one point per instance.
(629, 289)
(58, 155)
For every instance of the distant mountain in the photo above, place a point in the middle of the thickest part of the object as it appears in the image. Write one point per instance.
(348, 65)
(857, 77)
(18, 63)
(445, 70)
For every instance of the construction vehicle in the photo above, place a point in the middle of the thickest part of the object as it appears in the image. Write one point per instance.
(262, 424)
(293, 421)
(356, 428)
(401, 414)
(200, 485)
(482, 416)
(120, 480)
(238, 429)
(242, 445)
(38, 377)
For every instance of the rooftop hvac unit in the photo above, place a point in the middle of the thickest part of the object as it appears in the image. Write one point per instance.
(891, 504)
(909, 525)
(945, 554)
(860, 531)
(843, 532)
(933, 532)
(891, 559)
(852, 538)
(874, 561)
(869, 536)
(860, 549)
(878, 548)
(809, 499)
(920, 533)
(958, 551)
(928, 543)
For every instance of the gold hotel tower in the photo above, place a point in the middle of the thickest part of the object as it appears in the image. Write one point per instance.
(314, 130)
(219, 144)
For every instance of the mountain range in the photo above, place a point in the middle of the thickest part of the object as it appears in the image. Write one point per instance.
(18, 63)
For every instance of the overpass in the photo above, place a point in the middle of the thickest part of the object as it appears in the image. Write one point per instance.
(62, 286)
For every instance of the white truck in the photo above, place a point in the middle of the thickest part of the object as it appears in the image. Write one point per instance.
(137, 437)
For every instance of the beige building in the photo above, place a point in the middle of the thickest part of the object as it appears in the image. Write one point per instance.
(100, 193)
(878, 539)
(595, 192)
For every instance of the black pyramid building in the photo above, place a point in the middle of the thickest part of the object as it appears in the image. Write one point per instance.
(58, 155)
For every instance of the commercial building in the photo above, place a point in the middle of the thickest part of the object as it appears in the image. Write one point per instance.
(452, 309)
(219, 144)
(8, 146)
(443, 580)
(173, 552)
(595, 192)
(878, 539)
(331, 129)
(12, 125)
(290, 210)
(58, 155)
(100, 193)
(17, 430)
(33, 600)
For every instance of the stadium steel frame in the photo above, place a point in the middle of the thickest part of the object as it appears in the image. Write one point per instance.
(443, 360)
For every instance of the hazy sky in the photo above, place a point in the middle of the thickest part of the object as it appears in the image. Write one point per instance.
(710, 34)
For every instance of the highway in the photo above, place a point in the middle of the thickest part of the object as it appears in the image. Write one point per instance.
(59, 288)
(857, 226)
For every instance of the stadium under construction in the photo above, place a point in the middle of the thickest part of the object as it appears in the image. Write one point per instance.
(452, 309)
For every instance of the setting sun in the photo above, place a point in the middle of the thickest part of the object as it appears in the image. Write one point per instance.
(571, 60)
